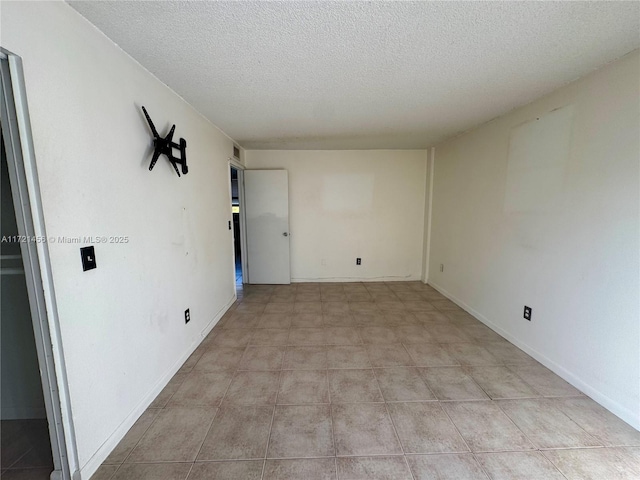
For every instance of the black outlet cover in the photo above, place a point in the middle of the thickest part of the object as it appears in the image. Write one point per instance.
(187, 316)
(88, 258)
(527, 313)
(358, 261)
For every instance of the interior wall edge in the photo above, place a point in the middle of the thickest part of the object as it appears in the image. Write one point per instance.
(426, 254)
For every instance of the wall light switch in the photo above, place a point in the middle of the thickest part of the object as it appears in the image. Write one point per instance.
(88, 258)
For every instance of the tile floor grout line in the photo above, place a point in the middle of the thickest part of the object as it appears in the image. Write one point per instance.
(515, 424)
(273, 416)
(113, 474)
(204, 438)
(553, 463)
(218, 408)
(139, 439)
(393, 425)
(525, 381)
(482, 467)
(333, 436)
(465, 369)
(264, 462)
(10, 467)
(583, 447)
(259, 459)
(191, 468)
(539, 448)
(116, 470)
(456, 427)
(174, 392)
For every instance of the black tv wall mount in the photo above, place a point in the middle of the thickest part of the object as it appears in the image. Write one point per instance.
(166, 146)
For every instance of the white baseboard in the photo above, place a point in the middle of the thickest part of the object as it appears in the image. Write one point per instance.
(410, 278)
(110, 443)
(56, 475)
(627, 415)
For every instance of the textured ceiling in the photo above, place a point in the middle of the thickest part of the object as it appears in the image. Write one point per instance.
(349, 75)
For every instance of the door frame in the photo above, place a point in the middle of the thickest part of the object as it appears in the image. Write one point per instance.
(243, 219)
(27, 202)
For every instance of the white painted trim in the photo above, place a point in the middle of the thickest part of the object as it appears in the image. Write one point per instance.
(243, 228)
(230, 204)
(425, 213)
(33, 186)
(630, 417)
(243, 222)
(92, 465)
(37, 265)
(431, 173)
(236, 164)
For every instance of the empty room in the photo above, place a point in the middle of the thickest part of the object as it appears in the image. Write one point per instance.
(320, 240)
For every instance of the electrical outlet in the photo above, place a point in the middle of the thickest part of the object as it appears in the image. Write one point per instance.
(527, 313)
(358, 261)
(442, 267)
(187, 316)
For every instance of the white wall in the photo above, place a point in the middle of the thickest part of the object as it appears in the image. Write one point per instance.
(353, 203)
(122, 325)
(552, 224)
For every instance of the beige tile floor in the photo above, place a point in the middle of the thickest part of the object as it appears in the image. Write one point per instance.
(386, 381)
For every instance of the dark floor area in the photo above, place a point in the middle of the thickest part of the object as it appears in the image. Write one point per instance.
(25, 450)
(238, 273)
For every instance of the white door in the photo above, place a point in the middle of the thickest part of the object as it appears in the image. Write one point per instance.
(266, 194)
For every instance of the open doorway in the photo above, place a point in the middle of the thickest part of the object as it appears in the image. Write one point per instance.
(33, 431)
(236, 178)
(26, 448)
